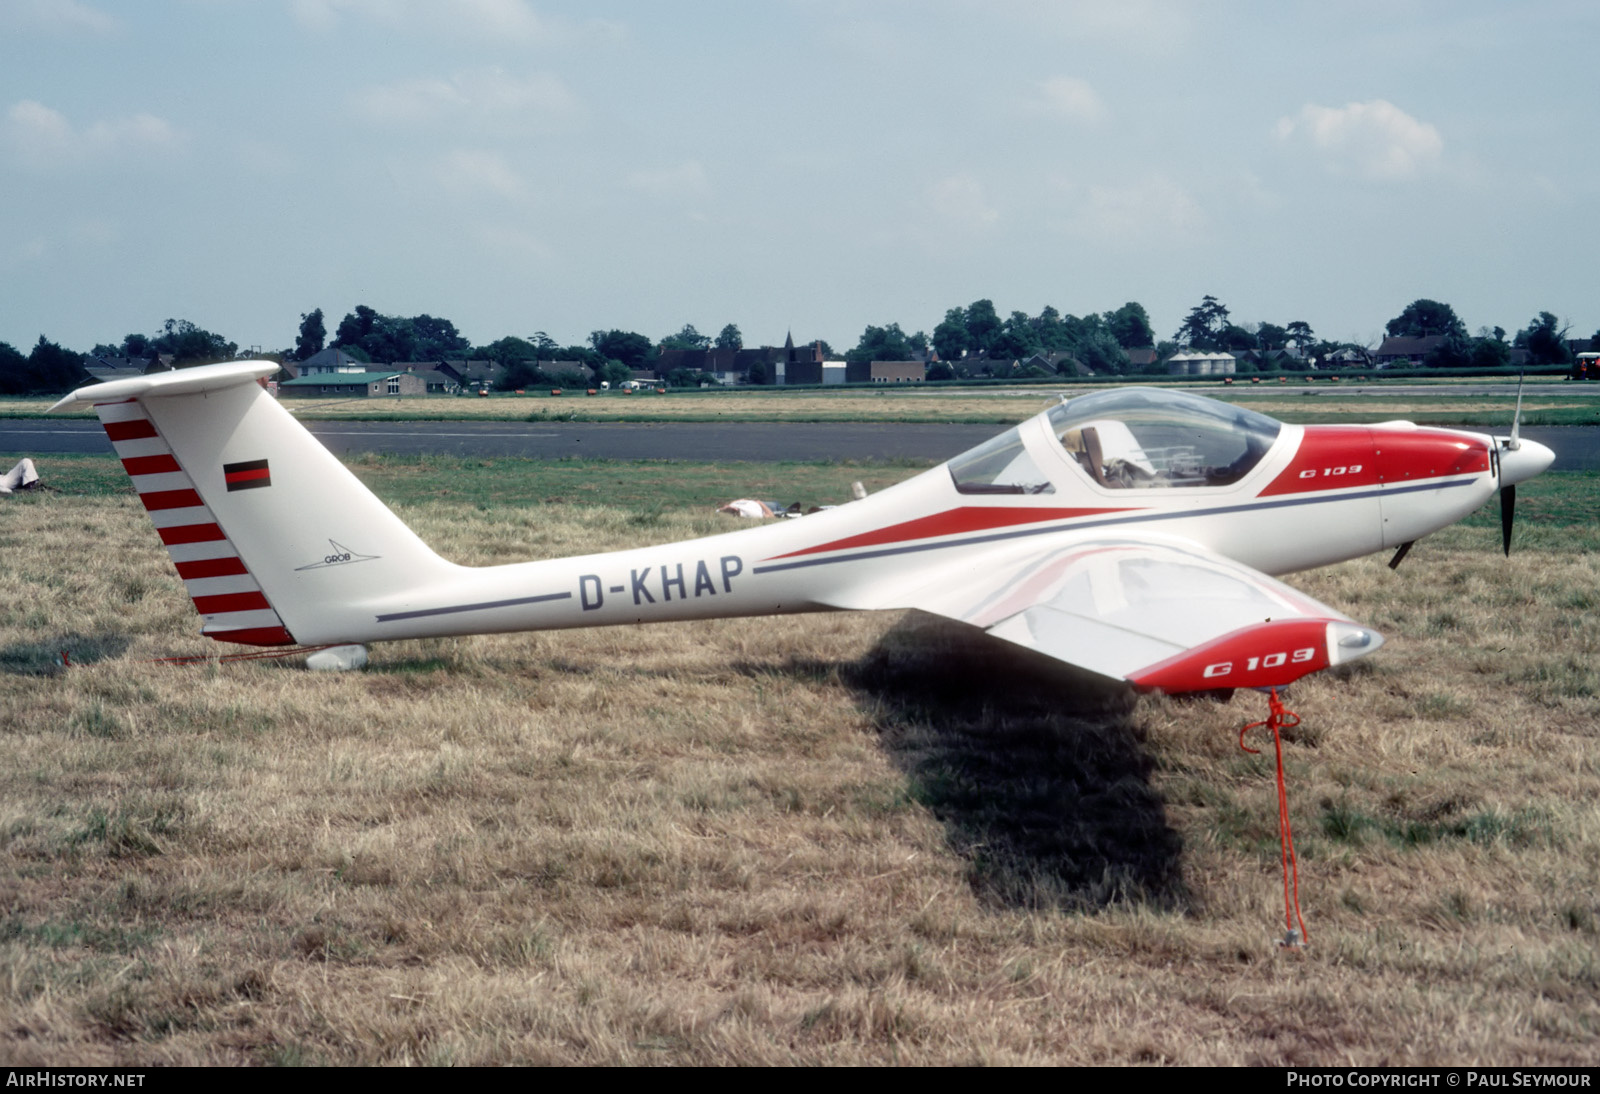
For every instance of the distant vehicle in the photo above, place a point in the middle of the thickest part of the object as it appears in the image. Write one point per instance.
(1128, 532)
(1586, 367)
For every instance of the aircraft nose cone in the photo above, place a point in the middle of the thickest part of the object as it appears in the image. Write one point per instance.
(1523, 463)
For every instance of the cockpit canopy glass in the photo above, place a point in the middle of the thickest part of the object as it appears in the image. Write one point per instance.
(999, 466)
(1134, 438)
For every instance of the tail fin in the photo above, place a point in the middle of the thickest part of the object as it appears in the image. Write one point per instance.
(276, 541)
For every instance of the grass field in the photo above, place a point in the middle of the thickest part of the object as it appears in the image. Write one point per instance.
(816, 839)
(1546, 403)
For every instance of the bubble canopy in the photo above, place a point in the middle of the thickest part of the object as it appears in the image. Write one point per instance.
(1128, 439)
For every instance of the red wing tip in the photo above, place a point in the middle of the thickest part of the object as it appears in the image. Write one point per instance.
(1267, 654)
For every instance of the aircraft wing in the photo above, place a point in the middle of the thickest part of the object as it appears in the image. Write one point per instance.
(1166, 614)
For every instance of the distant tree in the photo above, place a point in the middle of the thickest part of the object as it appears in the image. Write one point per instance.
(941, 371)
(520, 373)
(1422, 318)
(505, 351)
(312, 335)
(192, 345)
(1489, 353)
(730, 338)
(614, 373)
(1299, 332)
(435, 339)
(758, 373)
(1018, 338)
(687, 338)
(1098, 349)
(950, 338)
(136, 345)
(1130, 326)
(1454, 352)
(355, 326)
(14, 378)
(1545, 340)
(1236, 339)
(881, 344)
(983, 325)
(1270, 336)
(1051, 330)
(630, 348)
(51, 368)
(1203, 327)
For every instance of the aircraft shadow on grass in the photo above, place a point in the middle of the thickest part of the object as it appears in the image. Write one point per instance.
(1042, 784)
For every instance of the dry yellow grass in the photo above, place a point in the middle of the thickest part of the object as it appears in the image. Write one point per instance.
(820, 839)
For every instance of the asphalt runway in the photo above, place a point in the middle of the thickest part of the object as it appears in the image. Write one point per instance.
(1577, 448)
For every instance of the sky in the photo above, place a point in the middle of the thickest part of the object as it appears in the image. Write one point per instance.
(811, 166)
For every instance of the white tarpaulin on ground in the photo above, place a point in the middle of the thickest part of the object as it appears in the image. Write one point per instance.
(21, 477)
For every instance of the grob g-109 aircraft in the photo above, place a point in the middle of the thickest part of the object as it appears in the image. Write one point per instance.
(1127, 532)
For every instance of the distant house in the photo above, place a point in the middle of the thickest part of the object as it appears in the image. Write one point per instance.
(1347, 358)
(787, 364)
(886, 372)
(1141, 357)
(328, 361)
(114, 368)
(354, 385)
(1403, 350)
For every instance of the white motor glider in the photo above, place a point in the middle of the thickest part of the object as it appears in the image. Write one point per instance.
(1128, 532)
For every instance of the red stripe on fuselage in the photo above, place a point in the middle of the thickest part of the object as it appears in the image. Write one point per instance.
(967, 518)
(1334, 457)
(1330, 457)
(1429, 454)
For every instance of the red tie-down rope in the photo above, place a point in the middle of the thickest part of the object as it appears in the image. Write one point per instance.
(203, 659)
(1281, 717)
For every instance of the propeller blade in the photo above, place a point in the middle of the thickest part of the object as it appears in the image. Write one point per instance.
(1508, 509)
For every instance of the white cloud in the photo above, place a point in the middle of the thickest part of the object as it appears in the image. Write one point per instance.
(1375, 140)
(959, 200)
(1070, 98)
(44, 138)
(687, 179)
(1151, 210)
(485, 97)
(495, 20)
(56, 16)
(1136, 28)
(472, 172)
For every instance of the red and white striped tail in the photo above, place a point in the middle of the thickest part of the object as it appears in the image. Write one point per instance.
(231, 603)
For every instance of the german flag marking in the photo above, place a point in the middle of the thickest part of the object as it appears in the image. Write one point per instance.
(249, 475)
